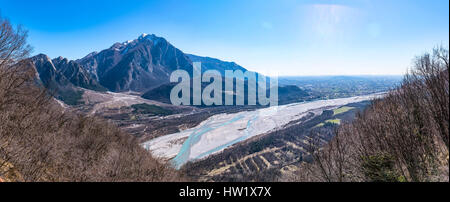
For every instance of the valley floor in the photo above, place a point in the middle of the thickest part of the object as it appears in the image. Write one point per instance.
(237, 142)
(223, 130)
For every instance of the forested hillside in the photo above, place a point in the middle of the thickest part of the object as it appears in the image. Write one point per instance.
(40, 142)
(402, 137)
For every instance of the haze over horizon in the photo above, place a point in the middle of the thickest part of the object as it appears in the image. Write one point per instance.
(285, 37)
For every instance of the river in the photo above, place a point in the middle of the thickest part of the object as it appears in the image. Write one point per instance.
(223, 130)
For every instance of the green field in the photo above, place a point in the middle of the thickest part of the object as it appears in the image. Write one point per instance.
(334, 121)
(341, 110)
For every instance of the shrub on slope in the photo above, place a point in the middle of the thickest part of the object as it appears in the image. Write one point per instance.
(40, 142)
(402, 137)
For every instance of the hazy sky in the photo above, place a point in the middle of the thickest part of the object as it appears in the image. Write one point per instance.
(285, 37)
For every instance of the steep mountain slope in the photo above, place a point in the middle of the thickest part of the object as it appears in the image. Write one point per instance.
(76, 74)
(144, 63)
(136, 65)
(42, 142)
(60, 72)
(62, 77)
(215, 64)
(47, 72)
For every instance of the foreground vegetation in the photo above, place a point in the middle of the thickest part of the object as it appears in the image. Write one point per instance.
(402, 137)
(39, 142)
(273, 156)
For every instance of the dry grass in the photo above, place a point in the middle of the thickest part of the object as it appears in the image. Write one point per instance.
(402, 137)
(40, 142)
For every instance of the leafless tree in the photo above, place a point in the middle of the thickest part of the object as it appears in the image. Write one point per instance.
(41, 142)
(401, 137)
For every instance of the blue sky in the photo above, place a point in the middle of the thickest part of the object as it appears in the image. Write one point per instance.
(284, 37)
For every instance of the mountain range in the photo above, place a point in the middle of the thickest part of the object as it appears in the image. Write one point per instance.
(139, 65)
(63, 78)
